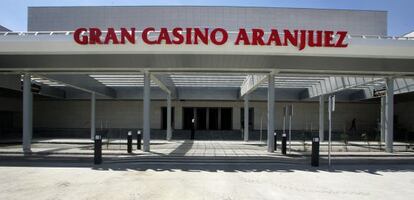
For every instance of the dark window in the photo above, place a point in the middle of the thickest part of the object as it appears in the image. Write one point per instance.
(213, 118)
(226, 119)
(164, 117)
(201, 118)
(214, 115)
(188, 114)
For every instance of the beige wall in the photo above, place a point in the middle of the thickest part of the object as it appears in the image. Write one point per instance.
(306, 115)
(128, 114)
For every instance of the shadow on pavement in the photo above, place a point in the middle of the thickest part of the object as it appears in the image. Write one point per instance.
(233, 167)
(249, 167)
(183, 148)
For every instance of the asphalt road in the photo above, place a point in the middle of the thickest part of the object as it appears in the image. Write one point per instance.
(135, 180)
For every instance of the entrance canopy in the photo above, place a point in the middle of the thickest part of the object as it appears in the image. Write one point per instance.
(57, 52)
(228, 71)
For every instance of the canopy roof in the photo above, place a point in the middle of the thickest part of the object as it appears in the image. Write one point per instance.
(54, 60)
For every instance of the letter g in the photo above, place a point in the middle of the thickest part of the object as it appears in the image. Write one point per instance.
(83, 40)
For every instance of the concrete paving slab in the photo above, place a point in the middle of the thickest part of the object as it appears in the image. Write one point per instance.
(60, 180)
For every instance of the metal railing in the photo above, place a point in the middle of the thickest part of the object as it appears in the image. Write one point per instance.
(60, 33)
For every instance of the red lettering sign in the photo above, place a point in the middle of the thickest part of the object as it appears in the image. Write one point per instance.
(216, 36)
(85, 36)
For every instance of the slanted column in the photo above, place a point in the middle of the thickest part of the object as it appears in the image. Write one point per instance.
(321, 117)
(178, 115)
(270, 113)
(169, 131)
(27, 113)
(246, 118)
(93, 104)
(389, 116)
(146, 112)
(383, 100)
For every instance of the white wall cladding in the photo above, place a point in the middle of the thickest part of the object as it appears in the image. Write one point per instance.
(231, 18)
(128, 114)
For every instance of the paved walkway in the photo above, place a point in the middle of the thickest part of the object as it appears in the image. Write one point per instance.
(158, 148)
(183, 150)
(199, 147)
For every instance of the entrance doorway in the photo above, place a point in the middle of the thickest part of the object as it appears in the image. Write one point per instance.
(164, 118)
(201, 119)
(188, 115)
(212, 121)
(208, 118)
(226, 118)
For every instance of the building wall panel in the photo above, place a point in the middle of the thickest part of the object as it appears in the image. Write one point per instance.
(231, 18)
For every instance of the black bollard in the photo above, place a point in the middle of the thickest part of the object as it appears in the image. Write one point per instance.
(98, 150)
(138, 139)
(129, 142)
(192, 130)
(275, 136)
(284, 144)
(315, 152)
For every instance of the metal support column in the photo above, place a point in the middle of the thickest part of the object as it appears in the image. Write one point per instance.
(270, 112)
(246, 118)
(284, 120)
(331, 108)
(27, 113)
(321, 118)
(93, 104)
(383, 106)
(169, 131)
(290, 112)
(146, 112)
(389, 116)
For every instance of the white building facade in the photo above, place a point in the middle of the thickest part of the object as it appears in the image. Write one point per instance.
(206, 82)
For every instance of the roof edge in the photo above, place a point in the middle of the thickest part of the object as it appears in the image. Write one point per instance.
(206, 6)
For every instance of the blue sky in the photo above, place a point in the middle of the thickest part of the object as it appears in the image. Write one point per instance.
(13, 13)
